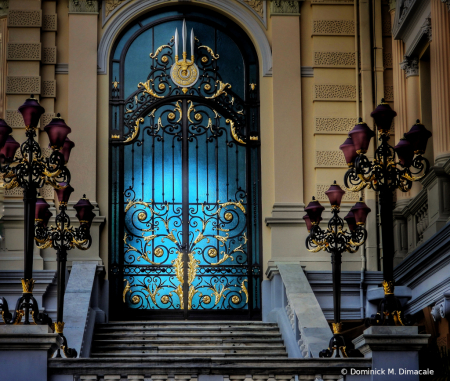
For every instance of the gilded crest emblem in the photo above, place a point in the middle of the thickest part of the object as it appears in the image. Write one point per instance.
(184, 72)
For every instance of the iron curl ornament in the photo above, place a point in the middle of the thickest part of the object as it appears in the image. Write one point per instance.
(30, 170)
(63, 237)
(336, 240)
(392, 168)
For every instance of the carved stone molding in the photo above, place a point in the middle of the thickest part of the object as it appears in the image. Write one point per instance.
(348, 196)
(23, 84)
(427, 29)
(24, 19)
(332, 2)
(332, 125)
(335, 92)
(387, 60)
(284, 8)
(330, 159)
(49, 89)
(410, 65)
(333, 27)
(389, 93)
(49, 55)
(307, 71)
(50, 23)
(27, 51)
(447, 2)
(62, 68)
(4, 7)
(441, 309)
(110, 5)
(83, 6)
(334, 59)
(257, 6)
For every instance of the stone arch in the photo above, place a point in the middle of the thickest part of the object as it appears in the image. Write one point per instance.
(233, 10)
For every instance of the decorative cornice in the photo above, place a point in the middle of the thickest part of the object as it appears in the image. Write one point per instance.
(427, 29)
(83, 6)
(62, 68)
(410, 65)
(447, 2)
(285, 8)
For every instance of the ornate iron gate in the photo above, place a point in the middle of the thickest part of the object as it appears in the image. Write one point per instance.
(185, 186)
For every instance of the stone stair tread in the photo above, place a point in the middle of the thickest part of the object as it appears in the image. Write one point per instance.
(192, 334)
(179, 348)
(129, 355)
(190, 344)
(188, 340)
(190, 322)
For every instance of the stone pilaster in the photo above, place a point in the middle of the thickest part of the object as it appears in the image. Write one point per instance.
(82, 96)
(410, 65)
(401, 124)
(440, 76)
(287, 119)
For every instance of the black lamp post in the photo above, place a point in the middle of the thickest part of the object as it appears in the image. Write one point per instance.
(63, 237)
(30, 171)
(336, 240)
(392, 168)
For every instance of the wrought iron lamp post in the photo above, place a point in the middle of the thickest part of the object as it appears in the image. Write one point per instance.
(392, 168)
(336, 240)
(31, 171)
(63, 237)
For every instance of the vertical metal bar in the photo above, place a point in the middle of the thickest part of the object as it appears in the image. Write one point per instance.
(185, 207)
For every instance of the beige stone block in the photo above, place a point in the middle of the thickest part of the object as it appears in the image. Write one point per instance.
(23, 84)
(24, 18)
(19, 51)
(49, 23)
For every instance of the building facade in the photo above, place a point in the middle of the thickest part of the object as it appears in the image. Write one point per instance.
(201, 146)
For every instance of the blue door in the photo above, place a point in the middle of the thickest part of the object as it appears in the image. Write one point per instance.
(184, 159)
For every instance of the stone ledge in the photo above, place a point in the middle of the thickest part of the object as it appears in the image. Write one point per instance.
(201, 365)
(31, 337)
(387, 338)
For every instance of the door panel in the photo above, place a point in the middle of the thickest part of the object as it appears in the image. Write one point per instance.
(185, 222)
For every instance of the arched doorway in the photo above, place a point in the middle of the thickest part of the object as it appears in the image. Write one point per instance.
(184, 165)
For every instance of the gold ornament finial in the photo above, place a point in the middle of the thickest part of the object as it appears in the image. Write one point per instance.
(337, 328)
(388, 287)
(58, 326)
(27, 285)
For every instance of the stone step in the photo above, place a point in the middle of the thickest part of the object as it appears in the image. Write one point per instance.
(192, 343)
(129, 354)
(183, 349)
(188, 339)
(186, 328)
(217, 334)
(199, 323)
(203, 331)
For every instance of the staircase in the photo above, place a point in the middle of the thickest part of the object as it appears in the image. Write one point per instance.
(181, 339)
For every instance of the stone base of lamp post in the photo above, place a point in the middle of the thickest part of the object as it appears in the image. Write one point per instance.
(394, 351)
(24, 350)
